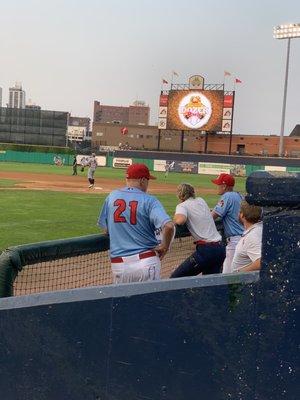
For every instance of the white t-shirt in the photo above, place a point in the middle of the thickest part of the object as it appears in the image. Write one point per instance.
(248, 248)
(199, 219)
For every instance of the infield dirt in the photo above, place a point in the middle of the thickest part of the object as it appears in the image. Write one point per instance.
(79, 184)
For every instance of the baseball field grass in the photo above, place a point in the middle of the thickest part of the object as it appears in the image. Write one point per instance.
(29, 216)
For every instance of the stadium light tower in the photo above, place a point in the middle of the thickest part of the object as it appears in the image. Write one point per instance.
(288, 31)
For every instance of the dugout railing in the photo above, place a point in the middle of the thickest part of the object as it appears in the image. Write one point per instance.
(72, 263)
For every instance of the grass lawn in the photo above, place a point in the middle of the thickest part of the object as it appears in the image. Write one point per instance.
(29, 216)
(7, 182)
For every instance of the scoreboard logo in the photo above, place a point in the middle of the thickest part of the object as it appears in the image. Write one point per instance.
(194, 110)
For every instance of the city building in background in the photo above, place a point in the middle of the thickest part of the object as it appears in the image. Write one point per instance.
(0, 97)
(80, 121)
(136, 114)
(296, 131)
(79, 129)
(148, 138)
(33, 126)
(32, 106)
(16, 96)
(105, 136)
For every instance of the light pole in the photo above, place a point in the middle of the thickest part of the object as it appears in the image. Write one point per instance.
(288, 31)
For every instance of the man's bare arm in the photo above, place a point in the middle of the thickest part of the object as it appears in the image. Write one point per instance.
(179, 219)
(254, 266)
(214, 214)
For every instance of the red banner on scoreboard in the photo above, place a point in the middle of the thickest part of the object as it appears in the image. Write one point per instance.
(228, 101)
(163, 100)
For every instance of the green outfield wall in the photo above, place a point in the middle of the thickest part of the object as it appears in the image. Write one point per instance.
(34, 157)
(122, 160)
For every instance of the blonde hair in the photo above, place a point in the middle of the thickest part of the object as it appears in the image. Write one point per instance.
(250, 212)
(185, 191)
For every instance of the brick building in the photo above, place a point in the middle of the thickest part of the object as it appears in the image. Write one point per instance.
(136, 114)
(250, 145)
(146, 137)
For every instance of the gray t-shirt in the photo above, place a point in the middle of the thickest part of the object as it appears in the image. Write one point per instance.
(199, 219)
(93, 163)
(248, 248)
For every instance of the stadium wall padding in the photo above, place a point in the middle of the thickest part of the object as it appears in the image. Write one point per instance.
(215, 337)
(251, 168)
(13, 259)
(251, 163)
(293, 169)
(213, 158)
(34, 157)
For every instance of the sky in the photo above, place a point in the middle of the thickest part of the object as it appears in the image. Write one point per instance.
(68, 53)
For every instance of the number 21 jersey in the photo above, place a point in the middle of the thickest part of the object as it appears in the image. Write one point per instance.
(131, 218)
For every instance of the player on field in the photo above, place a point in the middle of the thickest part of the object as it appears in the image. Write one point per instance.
(74, 165)
(92, 164)
(228, 209)
(168, 167)
(131, 217)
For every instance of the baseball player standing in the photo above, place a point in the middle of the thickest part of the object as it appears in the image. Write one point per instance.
(167, 169)
(228, 208)
(131, 217)
(74, 165)
(92, 163)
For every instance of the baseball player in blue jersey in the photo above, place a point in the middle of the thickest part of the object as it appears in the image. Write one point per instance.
(228, 208)
(131, 217)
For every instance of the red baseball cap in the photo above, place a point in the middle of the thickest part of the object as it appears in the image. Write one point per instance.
(224, 179)
(138, 171)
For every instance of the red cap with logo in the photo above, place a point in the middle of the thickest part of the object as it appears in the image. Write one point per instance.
(224, 179)
(138, 171)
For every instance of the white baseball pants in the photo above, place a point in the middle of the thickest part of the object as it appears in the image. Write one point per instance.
(134, 269)
(230, 250)
(91, 173)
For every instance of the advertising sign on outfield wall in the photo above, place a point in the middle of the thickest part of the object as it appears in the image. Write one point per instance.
(159, 165)
(189, 167)
(213, 168)
(274, 168)
(176, 166)
(121, 162)
(83, 160)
